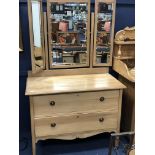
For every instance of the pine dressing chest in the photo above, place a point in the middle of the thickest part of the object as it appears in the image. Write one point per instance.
(124, 65)
(72, 95)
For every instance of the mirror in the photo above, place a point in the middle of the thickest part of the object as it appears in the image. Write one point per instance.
(36, 23)
(69, 34)
(37, 26)
(36, 33)
(103, 42)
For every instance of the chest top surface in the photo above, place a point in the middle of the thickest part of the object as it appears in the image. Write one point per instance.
(71, 83)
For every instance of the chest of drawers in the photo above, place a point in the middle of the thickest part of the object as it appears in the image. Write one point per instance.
(77, 106)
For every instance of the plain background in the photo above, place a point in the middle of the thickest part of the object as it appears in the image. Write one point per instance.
(145, 77)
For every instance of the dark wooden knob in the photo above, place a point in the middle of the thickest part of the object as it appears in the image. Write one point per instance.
(53, 125)
(52, 103)
(102, 99)
(101, 119)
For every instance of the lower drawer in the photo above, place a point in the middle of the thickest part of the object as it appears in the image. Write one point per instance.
(74, 124)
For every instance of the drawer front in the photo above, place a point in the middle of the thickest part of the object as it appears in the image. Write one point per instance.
(76, 102)
(75, 124)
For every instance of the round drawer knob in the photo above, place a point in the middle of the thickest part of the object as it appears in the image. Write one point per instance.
(53, 125)
(101, 119)
(52, 103)
(102, 99)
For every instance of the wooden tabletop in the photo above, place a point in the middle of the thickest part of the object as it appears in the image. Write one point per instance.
(71, 83)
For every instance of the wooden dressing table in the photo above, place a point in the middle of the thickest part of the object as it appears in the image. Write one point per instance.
(74, 106)
(72, 99)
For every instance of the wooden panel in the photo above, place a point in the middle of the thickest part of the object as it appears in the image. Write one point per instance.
(72, 136)
(32, 127)
(121, 67)
(76, 71)
(74, 124)
(74, 83)
(128, 105)
(132, 152)
(92, 40)
(75, 102)
(119, 110)
(124, 50)
(46, 41)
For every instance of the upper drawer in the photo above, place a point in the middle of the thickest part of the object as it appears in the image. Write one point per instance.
(76, 102)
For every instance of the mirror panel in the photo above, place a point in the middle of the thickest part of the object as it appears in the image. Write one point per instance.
(36, 23)
(36, 35)
(69, 34)
(103, 37)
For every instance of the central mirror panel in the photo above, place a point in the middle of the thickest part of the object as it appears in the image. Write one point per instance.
(69, 30)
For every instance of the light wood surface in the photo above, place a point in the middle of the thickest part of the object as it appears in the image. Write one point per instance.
(128, 105)
(124, 53)
(75, 71)
(75, 102)
(72, 136)
(74, 124)
(127, 33)
(121, 68)
(124, 50)
(74, 83)
(124, 42)
(45, 37)
(32, 127)
(92, 40)
(119, 110)
(132, 152)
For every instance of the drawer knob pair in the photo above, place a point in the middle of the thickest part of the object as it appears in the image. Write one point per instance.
(52, 103)
(101, 119)
(53, 125)
(102, 99)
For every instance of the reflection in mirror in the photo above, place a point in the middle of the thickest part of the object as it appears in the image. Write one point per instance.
(104, 29)
(69, 33)
(36, 23)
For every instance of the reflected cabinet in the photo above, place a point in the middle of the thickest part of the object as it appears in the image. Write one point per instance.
(60, 37)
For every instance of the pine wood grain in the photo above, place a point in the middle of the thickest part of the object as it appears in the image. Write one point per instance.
(75, 103)
(74, 124)
(74, 83)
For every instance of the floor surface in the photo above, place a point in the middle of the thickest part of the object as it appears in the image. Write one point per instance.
(96, 145)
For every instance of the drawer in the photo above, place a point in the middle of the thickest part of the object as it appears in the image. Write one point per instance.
(75, 124)
(76, 102)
